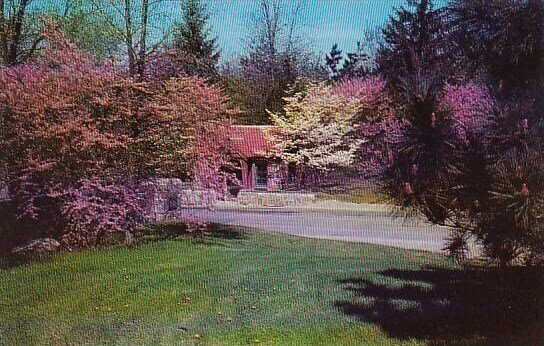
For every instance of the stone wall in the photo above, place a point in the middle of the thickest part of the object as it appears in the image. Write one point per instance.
(166, 197)
(276, 199)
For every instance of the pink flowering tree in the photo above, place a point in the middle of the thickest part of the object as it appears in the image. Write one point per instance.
(79, 138)
(379, 127)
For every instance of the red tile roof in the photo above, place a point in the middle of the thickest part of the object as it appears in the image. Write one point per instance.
(252, 141)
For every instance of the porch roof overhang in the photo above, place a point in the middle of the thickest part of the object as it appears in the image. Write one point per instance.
(252, 142)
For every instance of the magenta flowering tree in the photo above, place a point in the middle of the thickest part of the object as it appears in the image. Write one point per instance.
(470, 109)
(379, 125)
(165, 64)
(94, 208)
(80, 136)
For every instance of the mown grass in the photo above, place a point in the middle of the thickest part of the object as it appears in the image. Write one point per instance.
(355, 195)
(251, 287)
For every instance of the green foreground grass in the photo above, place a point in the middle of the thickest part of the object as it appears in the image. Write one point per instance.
(253, 287)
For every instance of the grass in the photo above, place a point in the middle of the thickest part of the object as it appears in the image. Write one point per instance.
(355, 195)
(250, 287)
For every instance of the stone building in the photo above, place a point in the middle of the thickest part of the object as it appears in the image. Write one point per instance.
(259, 170)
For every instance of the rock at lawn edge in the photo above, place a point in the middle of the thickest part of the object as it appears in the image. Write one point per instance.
(42, 247)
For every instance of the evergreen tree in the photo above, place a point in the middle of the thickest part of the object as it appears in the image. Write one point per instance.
(416, 43)
(503, 40)
(332, 61)
(193, 43)
(355, 64)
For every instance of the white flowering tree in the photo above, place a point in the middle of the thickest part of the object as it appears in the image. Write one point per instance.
(317, 129)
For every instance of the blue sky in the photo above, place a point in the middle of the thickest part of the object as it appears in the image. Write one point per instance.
(328, 22)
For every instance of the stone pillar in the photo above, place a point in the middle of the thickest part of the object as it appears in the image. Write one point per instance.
(245, 174)
(274, 183)
(252, 176)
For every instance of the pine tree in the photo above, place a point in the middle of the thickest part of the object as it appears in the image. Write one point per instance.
(416, 43)
(355, 66)
(332, 61)
(193, 43)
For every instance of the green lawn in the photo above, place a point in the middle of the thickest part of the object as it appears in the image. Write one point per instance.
(251, 287)
(355, 195)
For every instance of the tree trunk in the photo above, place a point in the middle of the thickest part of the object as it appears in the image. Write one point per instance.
(143, 39)
(129, 38)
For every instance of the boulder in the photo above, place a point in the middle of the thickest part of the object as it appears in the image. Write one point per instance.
(42, 247)
(4, 192)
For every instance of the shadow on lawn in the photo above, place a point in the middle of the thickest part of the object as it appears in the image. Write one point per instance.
(470, 305)
(174, 230)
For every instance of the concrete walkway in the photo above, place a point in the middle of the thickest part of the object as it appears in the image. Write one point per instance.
(361, 223)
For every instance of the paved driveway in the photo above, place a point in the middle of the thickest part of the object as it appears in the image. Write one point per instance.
(373, 228)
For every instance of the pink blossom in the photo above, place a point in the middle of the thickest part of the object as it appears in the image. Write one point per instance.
(470, 107)
(380, 126)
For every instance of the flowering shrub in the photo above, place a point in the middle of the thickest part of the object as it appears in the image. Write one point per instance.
(96, 208)
(351, 124)
(77, 131)
(317, 129)
(379, 127)
(470, 108)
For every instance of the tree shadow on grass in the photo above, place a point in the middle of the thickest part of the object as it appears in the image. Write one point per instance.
(470, 305)
(179, 230)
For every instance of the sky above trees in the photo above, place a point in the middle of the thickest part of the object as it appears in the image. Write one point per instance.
(327, 22)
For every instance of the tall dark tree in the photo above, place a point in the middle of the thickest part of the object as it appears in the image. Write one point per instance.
(502, 39)
(416, 43)
(332, 61)
(356, 63)
(193, 40)
(486, 183)
(504, 42)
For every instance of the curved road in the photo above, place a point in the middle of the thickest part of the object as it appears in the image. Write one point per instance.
(373, 228)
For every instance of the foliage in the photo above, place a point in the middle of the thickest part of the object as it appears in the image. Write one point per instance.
(277, 55)
(451, 165)
(440, 130)
(79, 134)
(512, 227)
(355, 66)
(502, 38)
(95, 208)
(317, 129)
(332, 61)
(89, 29)
(137, 24)
(347, 125)
(468, 160)
(20, 26)
(378, 124)
(357, 63)
(192, 40)
(416, 44)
